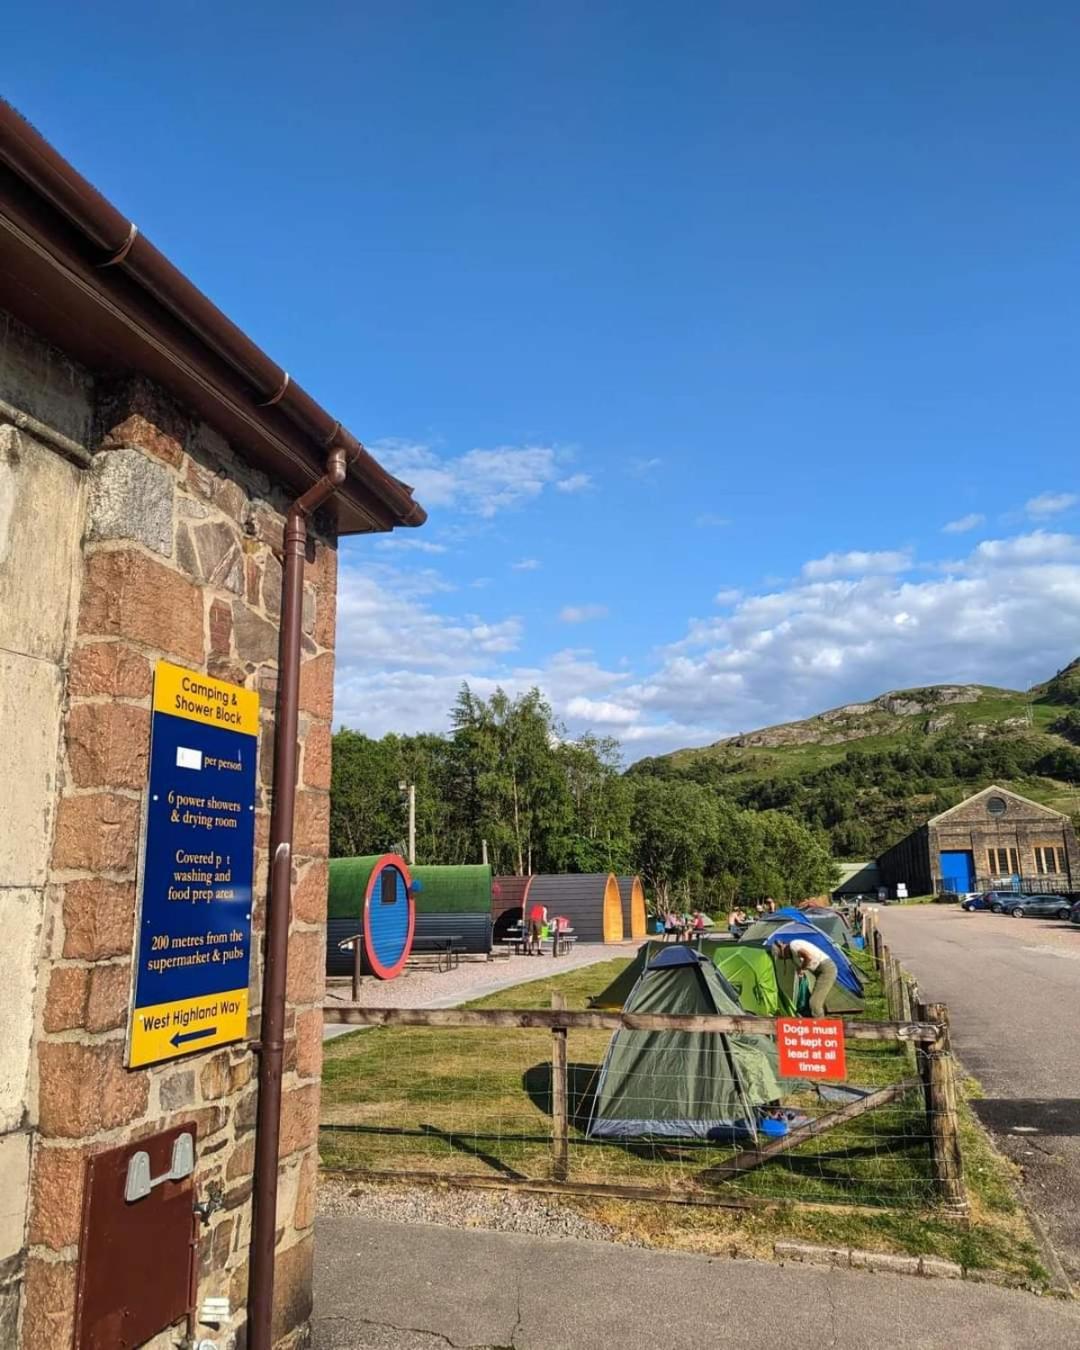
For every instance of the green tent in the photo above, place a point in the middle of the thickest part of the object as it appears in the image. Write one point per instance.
(839, 1002)
(749, 971)
(683, 1084)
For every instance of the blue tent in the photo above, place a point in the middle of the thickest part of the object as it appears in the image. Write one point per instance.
(846, 973)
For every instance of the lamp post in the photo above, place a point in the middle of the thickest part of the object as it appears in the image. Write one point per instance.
(409, 789)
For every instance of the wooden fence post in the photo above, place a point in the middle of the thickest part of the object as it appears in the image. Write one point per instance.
(939, 1086)
(560, 1133)
(879, 946)
(887, 982)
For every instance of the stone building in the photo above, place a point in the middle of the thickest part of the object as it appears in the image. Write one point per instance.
(149, 453)
(995, 840)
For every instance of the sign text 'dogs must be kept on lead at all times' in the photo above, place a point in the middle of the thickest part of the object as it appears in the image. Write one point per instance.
(194, 941)
(811, 1047)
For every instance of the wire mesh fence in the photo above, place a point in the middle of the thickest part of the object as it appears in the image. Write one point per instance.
(690, 1108)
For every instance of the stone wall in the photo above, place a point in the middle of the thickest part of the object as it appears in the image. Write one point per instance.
(42, 497)
(178, 562)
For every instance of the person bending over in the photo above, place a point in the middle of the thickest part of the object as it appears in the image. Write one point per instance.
(810, 958)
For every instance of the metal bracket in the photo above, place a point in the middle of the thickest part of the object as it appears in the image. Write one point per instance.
(139, 1183)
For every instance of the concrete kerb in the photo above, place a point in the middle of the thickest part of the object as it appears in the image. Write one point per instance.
(928, 1267)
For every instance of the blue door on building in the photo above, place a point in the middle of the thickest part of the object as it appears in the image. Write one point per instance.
(957, 871)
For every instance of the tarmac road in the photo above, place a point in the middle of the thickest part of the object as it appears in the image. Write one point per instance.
(390, 1286)
(1013, 990)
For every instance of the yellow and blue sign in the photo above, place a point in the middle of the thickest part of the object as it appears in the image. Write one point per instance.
(194, 942)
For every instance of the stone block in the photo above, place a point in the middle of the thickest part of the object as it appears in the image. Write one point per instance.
(107, 1001)
(56, 1197)
(317, 756)
(271, 586)
(111, 668)
(311, 827)
(220, 628)
(310, 892)
(108, 745)
(131, 497)
(317, 686)
(299, 1119)
(135, 412)
(127, 594)
(220, 561)
(48, 1304)
(309, 1043)
(177, 1091)
(65, 998)
(307, 614)
(98, 832)
(940, 1269)
(85, 1088)
(292, 1287)
(30, 699)
(269, 526)
(99, 918)
(241, 1161)
(304, 1212)
(306, 974)
(20, 924)
(14, 1181)
(255, 639)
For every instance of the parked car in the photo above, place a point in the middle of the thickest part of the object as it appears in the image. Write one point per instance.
(1076, 912)
(992, 900)
(1042, 906)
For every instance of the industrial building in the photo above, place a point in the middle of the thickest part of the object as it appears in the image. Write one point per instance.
(995, 840)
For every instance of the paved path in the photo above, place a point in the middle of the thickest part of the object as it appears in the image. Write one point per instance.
(1013, 990)
(386, 1286)
(426, 988)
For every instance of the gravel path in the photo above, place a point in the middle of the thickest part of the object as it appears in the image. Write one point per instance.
(426, 988)
(496, 1211)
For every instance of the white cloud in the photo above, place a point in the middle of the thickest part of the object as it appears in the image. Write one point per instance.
(964, 523)
(1038, 546)
(409, 543)
(1007, 613)
(577, 482)
(857, 563)
(1050, 503)
(525, 565)
(601, 710)
(479, 482)
(582, 613)
(643, 468)
(727, 595)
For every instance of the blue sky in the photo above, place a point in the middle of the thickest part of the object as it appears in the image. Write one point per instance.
(701, 329)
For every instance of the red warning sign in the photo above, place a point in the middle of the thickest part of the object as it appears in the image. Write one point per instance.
(810, 1048)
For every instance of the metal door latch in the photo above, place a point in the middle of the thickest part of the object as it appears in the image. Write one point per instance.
(214, 1201)
(139, 1183)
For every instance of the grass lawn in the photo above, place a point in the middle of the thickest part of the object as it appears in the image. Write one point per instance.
(471, 1101)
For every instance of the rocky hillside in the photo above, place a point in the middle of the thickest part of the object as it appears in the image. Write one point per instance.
(868, 772)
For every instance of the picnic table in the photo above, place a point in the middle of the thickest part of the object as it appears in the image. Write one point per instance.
(445, 947)
(561, 941)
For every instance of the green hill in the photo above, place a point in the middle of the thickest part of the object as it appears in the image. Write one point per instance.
(868, 772)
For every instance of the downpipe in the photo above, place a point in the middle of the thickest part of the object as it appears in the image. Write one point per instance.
(272, 1036)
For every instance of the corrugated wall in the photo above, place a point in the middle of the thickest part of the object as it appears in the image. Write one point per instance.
(472, 931)
(509, 896)
(591, 902)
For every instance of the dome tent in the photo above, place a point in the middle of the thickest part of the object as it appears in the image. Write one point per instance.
(683, 1084)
